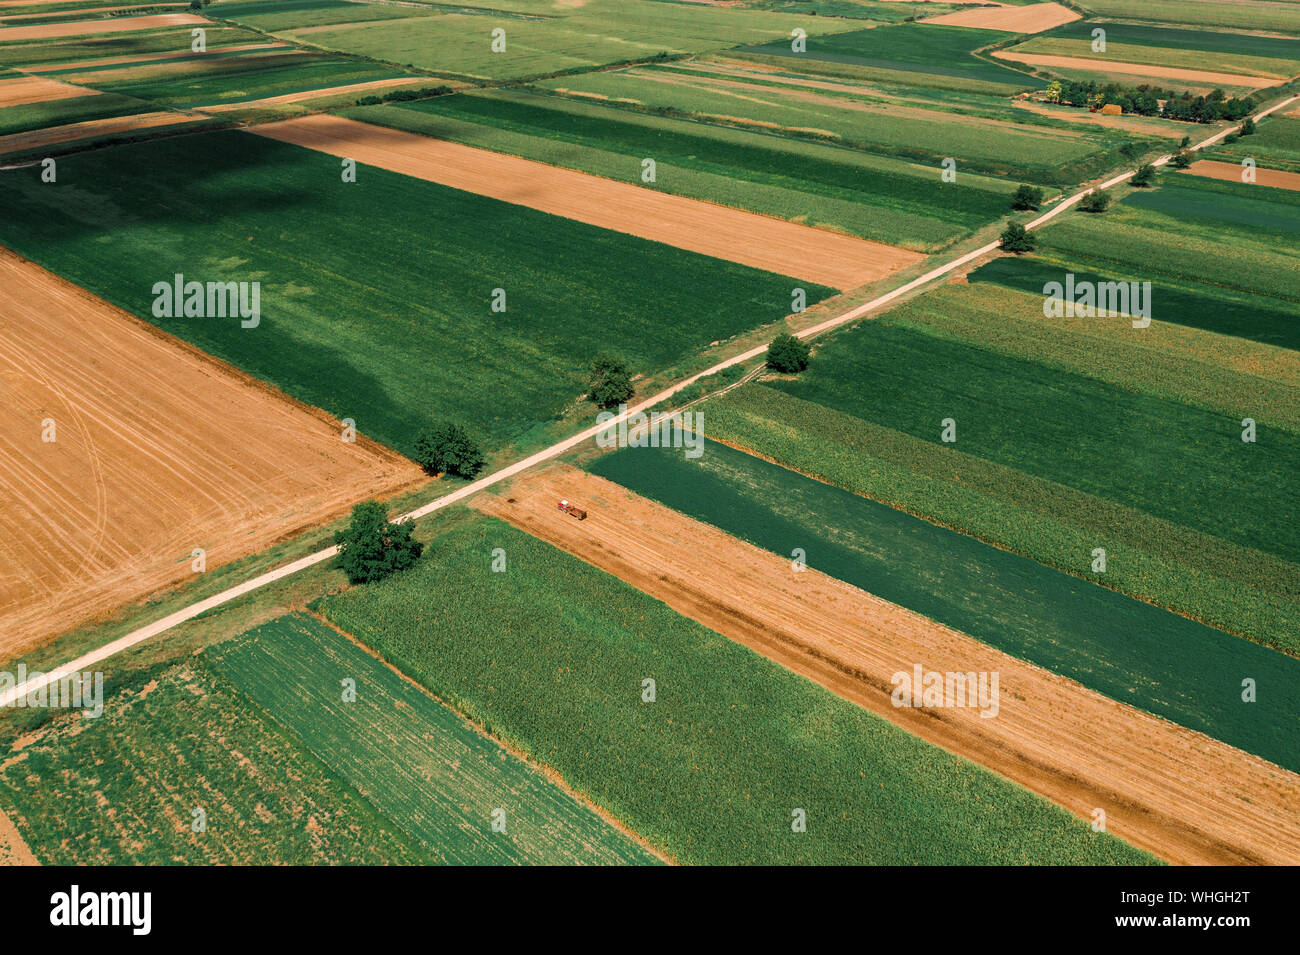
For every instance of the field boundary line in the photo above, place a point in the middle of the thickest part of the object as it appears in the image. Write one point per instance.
(166, 623)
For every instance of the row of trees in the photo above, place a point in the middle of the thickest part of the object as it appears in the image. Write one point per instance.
(1145, 100)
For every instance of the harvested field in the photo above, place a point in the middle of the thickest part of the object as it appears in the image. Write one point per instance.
(1231, 172)
(1174, 792)
(109, 25)
(1034, 18)
(313, 94)
(35, 89)
(94, 127)
(158, 450)
(786, 248)
(1197, 77)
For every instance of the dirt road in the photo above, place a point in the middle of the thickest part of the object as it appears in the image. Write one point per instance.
(786, 248)
(157, 450)
(1176, 793)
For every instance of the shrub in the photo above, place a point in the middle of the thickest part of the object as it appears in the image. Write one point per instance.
(448, 448)
(1247, 128)
(611, 384)
(788, 354)
(1145, 176)
(1016, 238)
(1182, 159)
(1230, 138)
(372, 547)
(1095, 201)
(1027, 197)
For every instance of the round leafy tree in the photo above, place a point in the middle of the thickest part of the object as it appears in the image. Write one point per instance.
(1027, 197)
(372, 547)
(611, 385)
(788, 354)
(1016, 238)
(448, 448)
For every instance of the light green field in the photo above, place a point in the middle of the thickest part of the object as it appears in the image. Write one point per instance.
(1163, 56)
(1275, 145)
(569, 37)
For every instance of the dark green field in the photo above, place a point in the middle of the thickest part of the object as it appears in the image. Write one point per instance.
(1126, 649)
(550, 656)
(1209, 41)
(928, 50)
(60, 112)
(376, 295)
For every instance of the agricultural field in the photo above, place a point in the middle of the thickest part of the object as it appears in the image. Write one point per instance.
(1110, 643)
(873, 197)
(1166, 236)
(379, 343)
(1015, 146)
(1277, 16)
(256, 735)
(563, 38)
(326, 332)
(1275, 145)
(1271, 57)
(913, 53)
(550, 656)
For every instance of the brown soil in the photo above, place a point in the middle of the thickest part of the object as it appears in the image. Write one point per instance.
(36, 89)
(112, 25)
(787, 248)
(1176, 793)
(13, 849)
(312, 94)
(1231, 172)
(159, 450)
(1034, 18)
(94, 127)
(1202, 77)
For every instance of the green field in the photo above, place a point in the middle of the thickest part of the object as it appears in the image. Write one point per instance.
(1126, 649)
(565, 37)
(1181, 49)
(391, 327)
(240, 79)
(1280, 16)
(1275, 145)
(255, 733)
(271, 15)
(60, 112)
(550, 656)
(1237, 238)
(121, 789)
(1234, 587)
(1011, 148)
(75, 49)
(1180, 463)
(1185, 302)
(919, 51)
(875, 197)
(433, 777)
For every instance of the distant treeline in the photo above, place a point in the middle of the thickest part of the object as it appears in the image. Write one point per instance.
(1145, 100)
